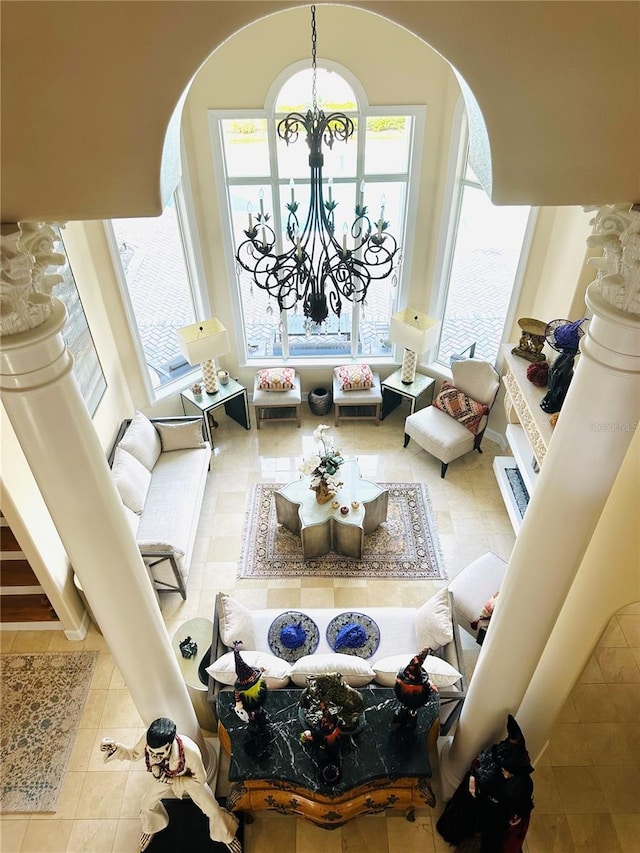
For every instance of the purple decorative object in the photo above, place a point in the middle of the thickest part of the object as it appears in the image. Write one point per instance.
(351, 636)
(293, 636)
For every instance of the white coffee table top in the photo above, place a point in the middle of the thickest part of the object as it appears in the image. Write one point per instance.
(354, 489)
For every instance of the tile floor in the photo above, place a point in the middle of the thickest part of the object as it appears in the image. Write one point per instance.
(587, 786)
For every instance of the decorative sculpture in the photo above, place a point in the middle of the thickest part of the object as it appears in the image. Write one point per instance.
(325, 736)
(250, 692)
(175, 764)
(331, 690)
(532, 340)
(413, 688)
(564, 337)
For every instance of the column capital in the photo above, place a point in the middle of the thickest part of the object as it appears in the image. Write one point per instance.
(25, 286)
(617, 233)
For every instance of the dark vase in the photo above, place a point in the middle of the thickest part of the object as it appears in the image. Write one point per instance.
(320, 401)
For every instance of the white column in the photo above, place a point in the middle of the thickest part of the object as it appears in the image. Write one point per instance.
(51, 421)
(588, 446)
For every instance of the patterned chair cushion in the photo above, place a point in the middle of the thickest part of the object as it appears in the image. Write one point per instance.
(354, 377)
(276, 379)
(460, 406)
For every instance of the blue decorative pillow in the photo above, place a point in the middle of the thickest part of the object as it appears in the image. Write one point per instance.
(353, 633)
(292, 635)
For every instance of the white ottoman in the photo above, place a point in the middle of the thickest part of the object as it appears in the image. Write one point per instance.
(474, 586)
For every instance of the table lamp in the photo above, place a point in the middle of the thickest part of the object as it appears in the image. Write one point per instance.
(416, 332)
(200, 343)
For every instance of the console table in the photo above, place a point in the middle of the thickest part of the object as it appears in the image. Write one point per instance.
(382, 767)
(322, 527)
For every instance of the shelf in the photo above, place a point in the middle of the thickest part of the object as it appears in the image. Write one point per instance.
(523, 455)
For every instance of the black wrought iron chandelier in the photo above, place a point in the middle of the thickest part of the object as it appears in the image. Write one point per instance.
(318, 270)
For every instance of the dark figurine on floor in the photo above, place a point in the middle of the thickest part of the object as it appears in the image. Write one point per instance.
(491, 808)
(413, 688)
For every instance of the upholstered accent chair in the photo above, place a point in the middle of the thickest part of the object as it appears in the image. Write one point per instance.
(277, 396)
(455, 422)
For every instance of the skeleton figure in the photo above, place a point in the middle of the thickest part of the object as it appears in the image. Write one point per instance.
(175, 764)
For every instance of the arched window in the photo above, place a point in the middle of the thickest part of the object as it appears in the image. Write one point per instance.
(254, 168)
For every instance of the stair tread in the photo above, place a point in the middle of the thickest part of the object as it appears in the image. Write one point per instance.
(27, 608)
(17, 573)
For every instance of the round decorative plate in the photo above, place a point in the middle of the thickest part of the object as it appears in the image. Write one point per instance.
(292, 635)
(353, 633)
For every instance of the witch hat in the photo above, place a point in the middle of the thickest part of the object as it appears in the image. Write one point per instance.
(413, 671)
(245, 675)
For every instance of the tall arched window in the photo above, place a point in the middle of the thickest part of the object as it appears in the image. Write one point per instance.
(254, 166)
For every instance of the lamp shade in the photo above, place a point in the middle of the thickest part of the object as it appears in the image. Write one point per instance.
(414, 330)
(202, 341)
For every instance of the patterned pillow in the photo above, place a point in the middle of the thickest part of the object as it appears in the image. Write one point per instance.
(460, 406)
(354, 377)
(276, 379)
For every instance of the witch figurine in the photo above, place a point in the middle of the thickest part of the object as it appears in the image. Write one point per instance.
(564, 337)
(413, 688)
(250, 691)
(492, 806)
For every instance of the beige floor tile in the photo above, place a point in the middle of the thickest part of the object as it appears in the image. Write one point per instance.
(119, 711)
(127, 837)
(613, 635)
(591, 674)
(546, 794)
(311, 837)
(365, 833)
(567, 745)
(31, 641)
(593, 832)
(101, 795)
(618, 664)
(580, 790)
(285, 598)
(270, 833)
(12, 833)
(47, 836)
(404, 835)
(626, 701)
(82, 750)
(549, 833)
(102, 672)
(93, 708)
(67, 804)
(607, 743)
(630, 626)
(594, 703)
(568, 713)
(631, 733)
(92, 836)
(627, 828)
(6, 640)
(621, 786)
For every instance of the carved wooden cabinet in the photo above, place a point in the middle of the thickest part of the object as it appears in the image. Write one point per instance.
(528, 433)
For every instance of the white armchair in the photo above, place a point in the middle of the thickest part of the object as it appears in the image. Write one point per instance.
(455, 423)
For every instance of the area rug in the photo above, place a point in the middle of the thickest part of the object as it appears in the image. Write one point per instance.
(405, 546)
(42, 701)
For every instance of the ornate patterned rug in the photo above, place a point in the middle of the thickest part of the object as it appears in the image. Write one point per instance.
(405, 546)
(43, 698)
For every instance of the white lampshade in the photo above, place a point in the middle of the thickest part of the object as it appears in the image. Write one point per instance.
(414, 330)
(202, 341)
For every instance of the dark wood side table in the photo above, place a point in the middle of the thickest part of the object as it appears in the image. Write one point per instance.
(382, 767)
(419, 393)
(233, 396)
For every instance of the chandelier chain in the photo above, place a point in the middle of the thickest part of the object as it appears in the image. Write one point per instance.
(314, 80)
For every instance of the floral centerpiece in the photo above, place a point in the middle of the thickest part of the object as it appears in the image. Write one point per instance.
(323, 467)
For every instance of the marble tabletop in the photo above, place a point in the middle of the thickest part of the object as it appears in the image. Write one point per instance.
(379, 751)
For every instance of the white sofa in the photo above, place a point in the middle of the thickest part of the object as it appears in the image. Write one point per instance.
(403, 631)
(160, 467)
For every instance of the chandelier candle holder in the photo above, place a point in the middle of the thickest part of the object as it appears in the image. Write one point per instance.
(323, 467)
(318, 269)
(417, 333)
(200, 343)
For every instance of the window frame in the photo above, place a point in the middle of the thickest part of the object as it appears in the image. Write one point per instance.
(194, 266)
(451, 212)
(410, 180)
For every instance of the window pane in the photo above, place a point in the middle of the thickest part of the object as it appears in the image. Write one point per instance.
(485, 261)
(246, 147)
(339, 161)
(154, 266)
(334, 93)
(387, 145)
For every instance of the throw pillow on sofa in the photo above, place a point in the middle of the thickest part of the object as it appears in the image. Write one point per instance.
(355, 671)
(276, 671)
(132, 479)
(180, 436)
(142, 441)
(440, 672)
(236, 622)
(433, 624)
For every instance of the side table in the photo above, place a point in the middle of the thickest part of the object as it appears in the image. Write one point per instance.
(419, 393)
(233, 396)
(382, 766)
(200, 631)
